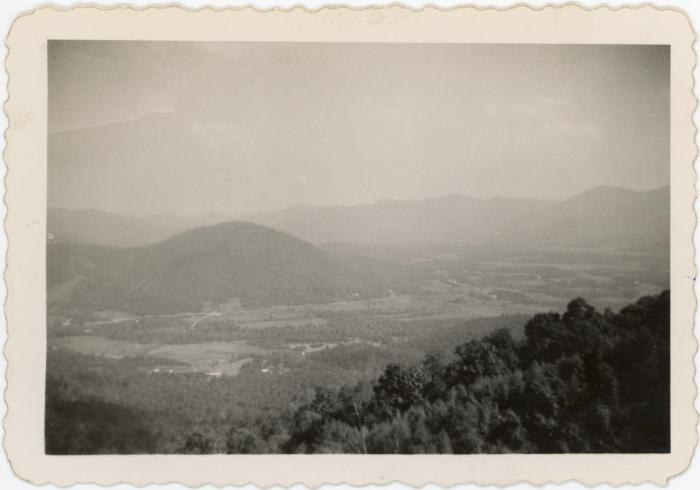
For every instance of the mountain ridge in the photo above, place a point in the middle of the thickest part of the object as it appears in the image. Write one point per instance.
(617, 211)
(451, 218)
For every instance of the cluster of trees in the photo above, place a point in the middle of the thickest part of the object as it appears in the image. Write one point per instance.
(583, 381)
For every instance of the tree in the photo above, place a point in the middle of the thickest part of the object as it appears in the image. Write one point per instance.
(506, 347)
(476, 359)
(307, 429)
(398, 389)
(197, 442)
(542, 337)
(243, 441)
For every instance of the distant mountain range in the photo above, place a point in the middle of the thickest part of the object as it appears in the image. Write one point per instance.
(602, 216)
(91, 226)
(208, 266)
(98, 261)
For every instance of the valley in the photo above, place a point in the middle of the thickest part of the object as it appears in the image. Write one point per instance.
(223, 325)
(450, 289)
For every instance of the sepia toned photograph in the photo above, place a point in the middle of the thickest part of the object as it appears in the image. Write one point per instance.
(350, 246)
(357, 248)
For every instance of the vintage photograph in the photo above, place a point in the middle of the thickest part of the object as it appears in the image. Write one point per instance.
(362, 248)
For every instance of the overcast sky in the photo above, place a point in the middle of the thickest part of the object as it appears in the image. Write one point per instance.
(190, 128)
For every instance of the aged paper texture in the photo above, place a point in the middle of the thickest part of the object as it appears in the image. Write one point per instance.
(578, 102)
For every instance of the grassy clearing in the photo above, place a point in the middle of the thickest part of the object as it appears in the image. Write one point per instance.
(224, 358)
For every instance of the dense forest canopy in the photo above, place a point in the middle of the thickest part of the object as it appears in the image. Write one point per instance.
(581, 381)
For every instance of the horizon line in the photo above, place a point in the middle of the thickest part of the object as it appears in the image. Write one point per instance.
(361, 204)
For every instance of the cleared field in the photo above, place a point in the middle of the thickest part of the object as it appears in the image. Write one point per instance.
(481, 310)
(283, 322)
(100, 346)
(214, 358)
(206, 352)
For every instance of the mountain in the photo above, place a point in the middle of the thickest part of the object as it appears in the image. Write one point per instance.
(96, 227)
(599, 217)
(208, 266)
(603, 216)
(615, 216)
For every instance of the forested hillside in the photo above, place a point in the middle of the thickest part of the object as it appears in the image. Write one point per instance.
(210, 265)
(581, 381)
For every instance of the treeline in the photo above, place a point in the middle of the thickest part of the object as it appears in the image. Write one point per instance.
(583, 381)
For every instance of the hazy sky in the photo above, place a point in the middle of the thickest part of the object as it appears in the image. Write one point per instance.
(189, 128)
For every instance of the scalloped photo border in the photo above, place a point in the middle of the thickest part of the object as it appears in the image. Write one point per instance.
(25, 226)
